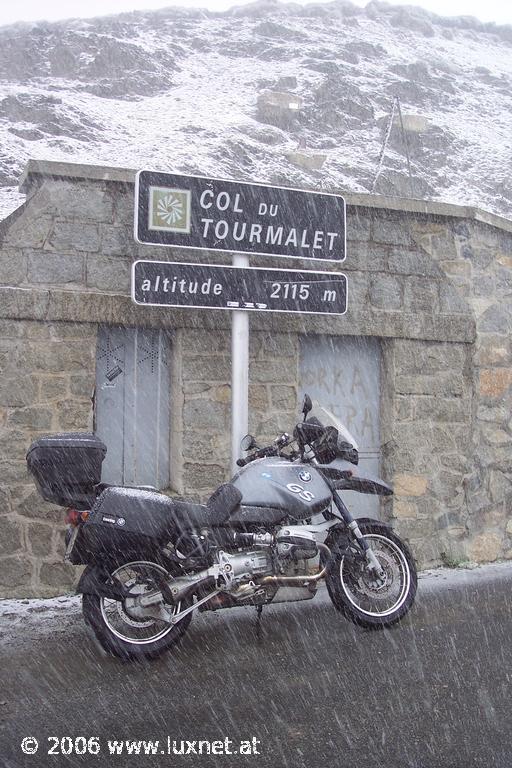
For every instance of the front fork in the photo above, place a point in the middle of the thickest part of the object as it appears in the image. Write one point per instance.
(371, 559)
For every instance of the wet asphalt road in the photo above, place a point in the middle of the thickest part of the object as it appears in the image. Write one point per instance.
(434, 692)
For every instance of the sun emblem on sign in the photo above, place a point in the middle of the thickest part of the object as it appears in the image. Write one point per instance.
(170, 209)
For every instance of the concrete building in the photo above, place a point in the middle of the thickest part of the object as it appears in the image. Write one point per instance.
(420, 366)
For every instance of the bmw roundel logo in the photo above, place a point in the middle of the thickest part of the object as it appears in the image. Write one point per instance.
(304, 476)
(120, 521)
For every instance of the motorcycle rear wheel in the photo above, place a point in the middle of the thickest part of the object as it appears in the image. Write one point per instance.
(357, 595)
(128, 636)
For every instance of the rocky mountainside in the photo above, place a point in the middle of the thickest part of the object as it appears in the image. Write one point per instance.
(285, 94)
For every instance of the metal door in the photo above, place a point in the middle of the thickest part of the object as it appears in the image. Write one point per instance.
(343, 373)
(132, 405)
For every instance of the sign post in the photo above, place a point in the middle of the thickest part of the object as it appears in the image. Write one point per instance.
(239, 373)
(242, 219)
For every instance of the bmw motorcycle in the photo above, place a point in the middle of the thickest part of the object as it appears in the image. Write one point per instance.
(268, 536)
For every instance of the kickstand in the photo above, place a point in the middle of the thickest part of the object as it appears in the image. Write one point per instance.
(259, 611)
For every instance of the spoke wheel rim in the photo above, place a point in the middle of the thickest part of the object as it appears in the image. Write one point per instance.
(135, 575)
(363, 596)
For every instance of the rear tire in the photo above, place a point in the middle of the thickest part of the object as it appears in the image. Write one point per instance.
(355, 593)
(126, 636)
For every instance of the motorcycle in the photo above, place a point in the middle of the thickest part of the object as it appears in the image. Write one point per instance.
(268, 536)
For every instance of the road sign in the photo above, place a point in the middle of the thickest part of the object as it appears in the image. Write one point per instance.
(169, 284)
(213, 214)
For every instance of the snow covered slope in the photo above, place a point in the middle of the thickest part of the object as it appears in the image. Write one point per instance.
(192, 91)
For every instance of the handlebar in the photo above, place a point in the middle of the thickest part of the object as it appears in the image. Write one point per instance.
(269, 450)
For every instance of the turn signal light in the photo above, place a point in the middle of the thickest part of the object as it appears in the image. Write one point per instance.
(74, 517)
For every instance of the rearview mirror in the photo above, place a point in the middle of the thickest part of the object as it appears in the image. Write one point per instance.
(307, 406)
(247, 443)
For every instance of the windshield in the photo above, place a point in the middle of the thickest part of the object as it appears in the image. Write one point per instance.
(328, 419)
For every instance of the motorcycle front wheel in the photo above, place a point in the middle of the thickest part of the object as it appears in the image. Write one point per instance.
(356, 592)
(127, 631)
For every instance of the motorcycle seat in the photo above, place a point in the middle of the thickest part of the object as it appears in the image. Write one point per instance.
(215, 512)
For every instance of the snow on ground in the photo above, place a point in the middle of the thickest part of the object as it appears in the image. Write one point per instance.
(26, 621)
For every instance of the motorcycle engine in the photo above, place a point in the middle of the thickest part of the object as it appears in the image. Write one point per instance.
(296, 542)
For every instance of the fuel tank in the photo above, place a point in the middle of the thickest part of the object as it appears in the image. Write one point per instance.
(274, 488)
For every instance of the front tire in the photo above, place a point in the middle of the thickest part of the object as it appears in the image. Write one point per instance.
(355, 592)
(132, 636)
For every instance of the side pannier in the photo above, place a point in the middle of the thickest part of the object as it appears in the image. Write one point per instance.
(128, 522)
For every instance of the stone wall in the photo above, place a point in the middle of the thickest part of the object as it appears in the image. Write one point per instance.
(432, 282)
(47, 378)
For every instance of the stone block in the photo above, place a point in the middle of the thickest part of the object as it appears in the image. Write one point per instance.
(495, 435)
(5, 500)
(35, 418)
(222, 394)
(13, 267)
(85, 331)
(412, 262)
(58, 356)
(73, 200)
(23, 329)
(40, 538)
(424, 358)
(10, 536)
(201, 413)
(32, 506)
(410, 485)
(449, 409)
(108, 274)
(500, 486)
(443, 246)
(386, 292)
(203, 477)
(73, 236)
(421, 294)
(55, 268)
(460, 270)
(268, 372)
(496, 319)
(493, 350)
(358, 226)
(116, 241)
(283, 397)
(17, 391)
(82, 385)
(53, 388)
(450, 301)
(14, 443)
(15, 572)
(270, 345)
(446, 384)
(494, 382)
(258, 398)
(196, 387)
(73, 415)
(404, 509)
(486, 547)
(214, 369)
(58, 575)
(369, 257)
(203, 342)
(13, 472)
(28, 232)
(391, 231)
